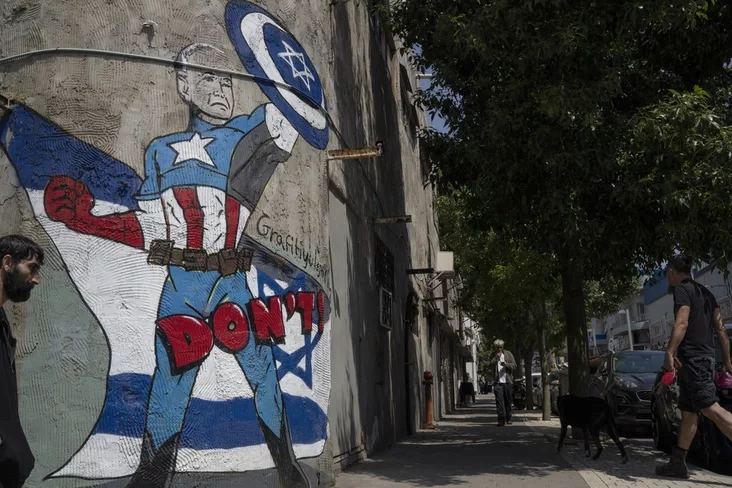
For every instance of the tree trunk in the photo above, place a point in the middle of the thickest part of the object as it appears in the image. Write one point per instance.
(519, 357)
(574, 312)
(546, 397)
(528, 364)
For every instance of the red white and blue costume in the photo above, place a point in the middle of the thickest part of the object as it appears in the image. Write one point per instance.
(187, 213)
(184, 200)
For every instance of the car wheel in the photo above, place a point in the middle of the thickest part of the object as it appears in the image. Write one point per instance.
(710, 446)
(662, 438)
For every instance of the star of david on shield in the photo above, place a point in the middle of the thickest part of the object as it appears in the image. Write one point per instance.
(285, 72)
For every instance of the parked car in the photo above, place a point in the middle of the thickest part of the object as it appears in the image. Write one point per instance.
(539, 391)
(625, 380)
(710, 449)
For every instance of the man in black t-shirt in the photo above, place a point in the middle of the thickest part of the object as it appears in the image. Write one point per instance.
(20, 263)
(692, 340)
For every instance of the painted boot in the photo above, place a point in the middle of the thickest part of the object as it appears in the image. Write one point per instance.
(156, 467)
(289, 470)
(676, 466)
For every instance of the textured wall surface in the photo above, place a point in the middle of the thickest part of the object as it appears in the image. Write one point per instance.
(107, 159)
(379, 379)
(138, 357)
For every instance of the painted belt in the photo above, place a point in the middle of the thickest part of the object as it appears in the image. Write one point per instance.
(226, 261)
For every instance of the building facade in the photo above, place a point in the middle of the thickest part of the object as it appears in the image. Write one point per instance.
(660, 303)
(648, 316)
(227, 299)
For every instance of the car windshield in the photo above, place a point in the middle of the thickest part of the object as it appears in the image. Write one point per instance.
(638, 362)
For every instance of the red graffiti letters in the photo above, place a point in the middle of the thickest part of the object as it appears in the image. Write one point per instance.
(290, 303)
(188, 339)
(321, 311)
(230, 327)
(305, 303)
(268, 321)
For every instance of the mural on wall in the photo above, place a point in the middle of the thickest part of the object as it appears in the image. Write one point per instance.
(219, 348)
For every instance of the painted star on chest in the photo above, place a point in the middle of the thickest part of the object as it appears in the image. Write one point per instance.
(195, 148)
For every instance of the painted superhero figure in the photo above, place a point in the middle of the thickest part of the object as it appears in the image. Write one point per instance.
(200, 187)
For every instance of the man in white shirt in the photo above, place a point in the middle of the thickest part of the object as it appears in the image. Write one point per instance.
(503, 364)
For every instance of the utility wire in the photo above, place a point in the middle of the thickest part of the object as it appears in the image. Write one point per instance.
(178, 65)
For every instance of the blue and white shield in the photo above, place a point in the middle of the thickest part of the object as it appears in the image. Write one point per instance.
(269, 52)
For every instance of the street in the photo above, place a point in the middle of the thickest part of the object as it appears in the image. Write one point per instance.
(467, 450)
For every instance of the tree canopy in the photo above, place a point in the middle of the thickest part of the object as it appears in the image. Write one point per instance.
(596, 133)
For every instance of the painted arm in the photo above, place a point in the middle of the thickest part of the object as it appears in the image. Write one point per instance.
(71, 202)
(278, 129)
(267, 140)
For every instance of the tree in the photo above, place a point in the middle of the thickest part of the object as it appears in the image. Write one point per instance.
(562, 130)
(505, 287)
(513, 292)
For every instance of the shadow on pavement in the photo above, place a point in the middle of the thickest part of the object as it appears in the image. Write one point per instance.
(639, 471)
(467, 448)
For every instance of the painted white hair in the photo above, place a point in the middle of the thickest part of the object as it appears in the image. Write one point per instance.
(498, 343)
(212, 54)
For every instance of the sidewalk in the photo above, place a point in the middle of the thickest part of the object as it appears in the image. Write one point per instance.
(608, 470)
(467, 450)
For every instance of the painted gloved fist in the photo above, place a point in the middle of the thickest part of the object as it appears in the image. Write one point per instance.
(69, 201)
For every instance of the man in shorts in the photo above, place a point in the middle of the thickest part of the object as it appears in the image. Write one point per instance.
(692, 340)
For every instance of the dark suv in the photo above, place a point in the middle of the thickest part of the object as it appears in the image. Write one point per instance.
(710, 449)
(625, 380)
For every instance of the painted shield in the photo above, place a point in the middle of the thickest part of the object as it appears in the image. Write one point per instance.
(268, 51)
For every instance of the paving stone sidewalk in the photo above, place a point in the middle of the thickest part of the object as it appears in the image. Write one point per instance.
(608, 470)
(467, 450)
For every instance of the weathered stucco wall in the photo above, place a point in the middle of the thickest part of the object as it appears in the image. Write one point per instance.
(378, 381)
(102, 156)
(114, 342)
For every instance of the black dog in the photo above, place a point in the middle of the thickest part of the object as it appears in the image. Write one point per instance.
(589, 414)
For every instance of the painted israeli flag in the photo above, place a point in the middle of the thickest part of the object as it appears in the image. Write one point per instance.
(220, 432)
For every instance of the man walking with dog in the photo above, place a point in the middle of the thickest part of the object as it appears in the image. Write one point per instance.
(502, 365)
(692, 341)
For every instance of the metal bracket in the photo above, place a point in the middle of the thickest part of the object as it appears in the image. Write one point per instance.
(397, 219)
(6, 103)
(356, 153)
(437, 277)
(420, 271)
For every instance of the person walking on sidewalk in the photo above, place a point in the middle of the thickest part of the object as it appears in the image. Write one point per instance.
(20, 263)
(502, 364)
(692, 340)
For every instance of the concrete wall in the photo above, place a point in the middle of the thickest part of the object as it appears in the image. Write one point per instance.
(123, 130)
(378, 395)
(103, 386)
